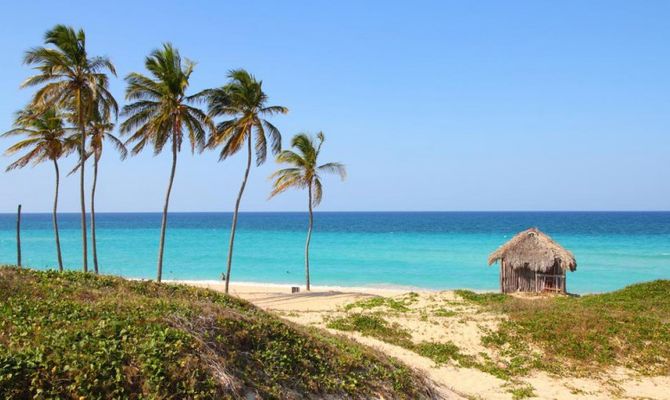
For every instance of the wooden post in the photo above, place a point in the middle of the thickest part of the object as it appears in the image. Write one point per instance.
(18, 237)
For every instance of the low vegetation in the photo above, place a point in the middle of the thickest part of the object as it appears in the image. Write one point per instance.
(373, 326)
(487, 299)
(522, 392)
(559, 335)
(388, 303)
(629, 327)
(75, 335)
(377, 327)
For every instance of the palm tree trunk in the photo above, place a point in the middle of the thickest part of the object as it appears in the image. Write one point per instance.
(161, 246)
(18, 237)
(309, 236)
(82, 157)
(55, 218)
(93, 241)
(237, 207)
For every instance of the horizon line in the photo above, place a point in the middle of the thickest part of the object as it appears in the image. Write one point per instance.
(344, 211)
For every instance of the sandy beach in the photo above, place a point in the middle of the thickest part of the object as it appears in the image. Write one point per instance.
(440, 316)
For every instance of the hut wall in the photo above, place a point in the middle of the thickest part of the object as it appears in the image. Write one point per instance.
(525, 280)
(515, 280)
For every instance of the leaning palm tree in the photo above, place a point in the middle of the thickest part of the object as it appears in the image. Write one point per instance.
(67, 77)
(242, 99)
(304, 173)
(44, 140)
(162, 112)
(100, 128)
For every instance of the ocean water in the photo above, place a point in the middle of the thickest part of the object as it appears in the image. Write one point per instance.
(436, 250)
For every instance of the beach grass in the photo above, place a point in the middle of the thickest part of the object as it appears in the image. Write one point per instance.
(560, 335)
(374, 326)
(400, 305)
(628, 327)
(76, 335)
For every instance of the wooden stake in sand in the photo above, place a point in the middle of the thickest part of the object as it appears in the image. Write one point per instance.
(18, 237)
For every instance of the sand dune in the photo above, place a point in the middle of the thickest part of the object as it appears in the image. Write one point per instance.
(461, 323)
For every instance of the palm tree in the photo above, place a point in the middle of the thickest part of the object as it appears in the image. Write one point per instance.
(67, 77)
(100, 128)
(304, 173)
(45, 140)
(162, 112)
(242, 99)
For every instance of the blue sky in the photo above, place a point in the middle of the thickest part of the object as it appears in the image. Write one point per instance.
(445, 105)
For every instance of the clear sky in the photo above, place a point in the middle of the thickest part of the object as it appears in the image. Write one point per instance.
(445, 105)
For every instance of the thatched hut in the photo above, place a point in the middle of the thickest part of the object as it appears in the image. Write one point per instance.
(532, 262)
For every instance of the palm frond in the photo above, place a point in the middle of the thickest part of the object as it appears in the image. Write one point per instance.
(22, 145)
(275, 136)
(285, 179)
(271, 110)
(120, 146)
(317, 192)
(243, 98)
(33, 156)
(234, 143)
(97, 64)
(289, 157)
(334, 168)
(261, 145)
(305, 144)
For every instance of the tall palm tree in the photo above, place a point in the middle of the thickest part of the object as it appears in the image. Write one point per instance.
(304, 173)
(67, 77)
(100, 128)
(45, 139)
(161, 112)
(242, 99)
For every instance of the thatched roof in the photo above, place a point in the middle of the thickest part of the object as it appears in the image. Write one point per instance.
(534, 250)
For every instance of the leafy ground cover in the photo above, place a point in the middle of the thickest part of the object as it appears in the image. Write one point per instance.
(75, 335)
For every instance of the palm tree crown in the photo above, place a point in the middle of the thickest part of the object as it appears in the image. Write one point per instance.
(67, 75)
(305, 170)
(244, 100)
(100, 130)
(45, 138)
(161, 110)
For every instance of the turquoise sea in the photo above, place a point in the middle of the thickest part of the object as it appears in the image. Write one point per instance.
(436, 250)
